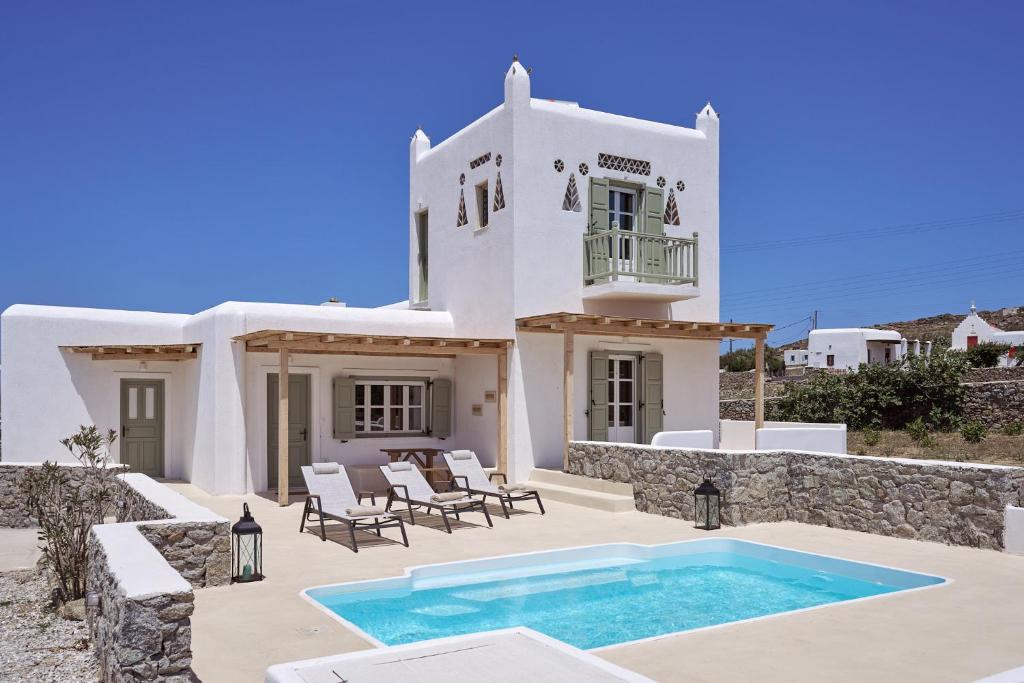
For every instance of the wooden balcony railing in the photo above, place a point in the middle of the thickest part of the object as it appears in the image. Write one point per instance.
(622, 254)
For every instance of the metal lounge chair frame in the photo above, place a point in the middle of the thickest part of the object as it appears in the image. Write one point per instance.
(476, 487)
(314, 506)
(420, 494)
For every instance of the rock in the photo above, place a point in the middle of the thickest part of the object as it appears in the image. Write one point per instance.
(73, 611)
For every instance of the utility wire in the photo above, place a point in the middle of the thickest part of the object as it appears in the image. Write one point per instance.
(889, 231)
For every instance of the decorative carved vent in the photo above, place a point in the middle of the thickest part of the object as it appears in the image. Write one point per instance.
(497, 160)
(584, 169)
(671, 209)
(559, 165)
(499, 194)
(463, 218)
(480, 160)
(617, 163)
(571, 202)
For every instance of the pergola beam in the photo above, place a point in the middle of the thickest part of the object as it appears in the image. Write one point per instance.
(282, 428)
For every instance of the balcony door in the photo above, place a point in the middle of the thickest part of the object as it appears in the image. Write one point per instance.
(622, 399)
(622, 203)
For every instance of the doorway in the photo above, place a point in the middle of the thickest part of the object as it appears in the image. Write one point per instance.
(298, 429)
(622, 399)
(142, 425)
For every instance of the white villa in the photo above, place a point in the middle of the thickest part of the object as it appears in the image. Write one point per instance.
(848, 348)
(563, 284)
(974, 330)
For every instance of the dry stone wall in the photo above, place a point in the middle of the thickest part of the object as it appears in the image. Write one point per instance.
(14, 512)
(141, 630)
(994, 404)
(943, 502)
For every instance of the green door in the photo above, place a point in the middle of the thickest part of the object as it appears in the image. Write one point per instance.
(298, 429)
(142, 425)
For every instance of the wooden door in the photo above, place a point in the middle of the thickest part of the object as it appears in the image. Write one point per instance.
(298, 429)
(142, 425)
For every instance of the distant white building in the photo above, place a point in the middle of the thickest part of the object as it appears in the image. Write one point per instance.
(795, 358)
(848, 348)
(974, 330)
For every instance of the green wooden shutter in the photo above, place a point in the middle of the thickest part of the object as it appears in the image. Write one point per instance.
(653, 254)
(654, 395)
(598, 423)
(597, 252)
(343, 403)
(441, 408)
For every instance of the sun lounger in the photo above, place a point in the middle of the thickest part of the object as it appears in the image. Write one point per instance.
(469, 475)
(331, 497)
(408, 486)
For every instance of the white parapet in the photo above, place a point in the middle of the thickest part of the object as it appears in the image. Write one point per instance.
(694, 438)
(1013, 534)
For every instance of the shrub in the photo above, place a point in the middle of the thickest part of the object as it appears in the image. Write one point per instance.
(882, 396)
(66, 509)
(1014, 428)
(919, 433)
(742, 360)
(872, 436)
(986, 354)
(973, 432)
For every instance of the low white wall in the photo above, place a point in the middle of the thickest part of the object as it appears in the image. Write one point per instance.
(822, 439)
(739, 435)
(1013, 535)
(696, 438)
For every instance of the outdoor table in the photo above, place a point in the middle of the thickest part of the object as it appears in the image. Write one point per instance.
(424, 459)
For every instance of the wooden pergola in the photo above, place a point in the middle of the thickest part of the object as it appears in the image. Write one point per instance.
(157, 352)
(285, 342)
(570, 324)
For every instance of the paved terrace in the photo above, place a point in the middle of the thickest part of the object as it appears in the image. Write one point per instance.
(959, 632)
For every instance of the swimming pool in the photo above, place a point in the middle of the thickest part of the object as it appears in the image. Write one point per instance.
(599, 596)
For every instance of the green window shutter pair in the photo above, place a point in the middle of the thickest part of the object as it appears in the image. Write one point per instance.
(653, 251)
(343, 402)
(441, 408)
(653, 396)
(598, 421)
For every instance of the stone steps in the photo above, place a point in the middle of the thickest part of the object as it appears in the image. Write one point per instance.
(596, 494)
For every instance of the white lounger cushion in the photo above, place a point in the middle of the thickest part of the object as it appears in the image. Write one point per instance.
(400, 466)
(325, 467)
(334, 488)
(465, 464)
(416, 487)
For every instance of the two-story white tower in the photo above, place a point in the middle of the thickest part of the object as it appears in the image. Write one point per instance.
(563, 284)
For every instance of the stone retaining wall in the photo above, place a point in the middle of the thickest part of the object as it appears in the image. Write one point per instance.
(141, 629)
(14, 511)
(743, 409)
(994, 404)
(949, 503)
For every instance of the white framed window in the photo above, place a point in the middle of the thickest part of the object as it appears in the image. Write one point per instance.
(481, 204)
(390, 407)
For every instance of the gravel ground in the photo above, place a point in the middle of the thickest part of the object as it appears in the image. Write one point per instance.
(35, 643)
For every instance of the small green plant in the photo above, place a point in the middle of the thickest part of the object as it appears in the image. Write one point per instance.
(973, 432)
(919, 433)
(872, 436)
(1014, 428)
(66, 509)
(986, 354)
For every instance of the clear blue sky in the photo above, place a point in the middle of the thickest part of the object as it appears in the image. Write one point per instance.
(170, 156)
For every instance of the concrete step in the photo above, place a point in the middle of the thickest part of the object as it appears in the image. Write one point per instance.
(596, 494)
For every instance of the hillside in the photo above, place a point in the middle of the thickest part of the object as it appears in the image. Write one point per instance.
(939, 328)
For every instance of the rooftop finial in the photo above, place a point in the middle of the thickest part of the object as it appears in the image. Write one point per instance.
(973, 309)
(515, 58)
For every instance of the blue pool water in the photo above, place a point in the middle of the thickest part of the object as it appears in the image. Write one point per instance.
(596, 600)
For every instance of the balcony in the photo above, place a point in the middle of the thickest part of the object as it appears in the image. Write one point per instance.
(621, 264)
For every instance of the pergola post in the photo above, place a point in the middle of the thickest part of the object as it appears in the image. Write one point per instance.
(502, 359)
(759, 382)
(282, 428)
(567, 394)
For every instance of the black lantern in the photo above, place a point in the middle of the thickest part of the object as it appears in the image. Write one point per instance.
(246, 549)
(706, 506)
